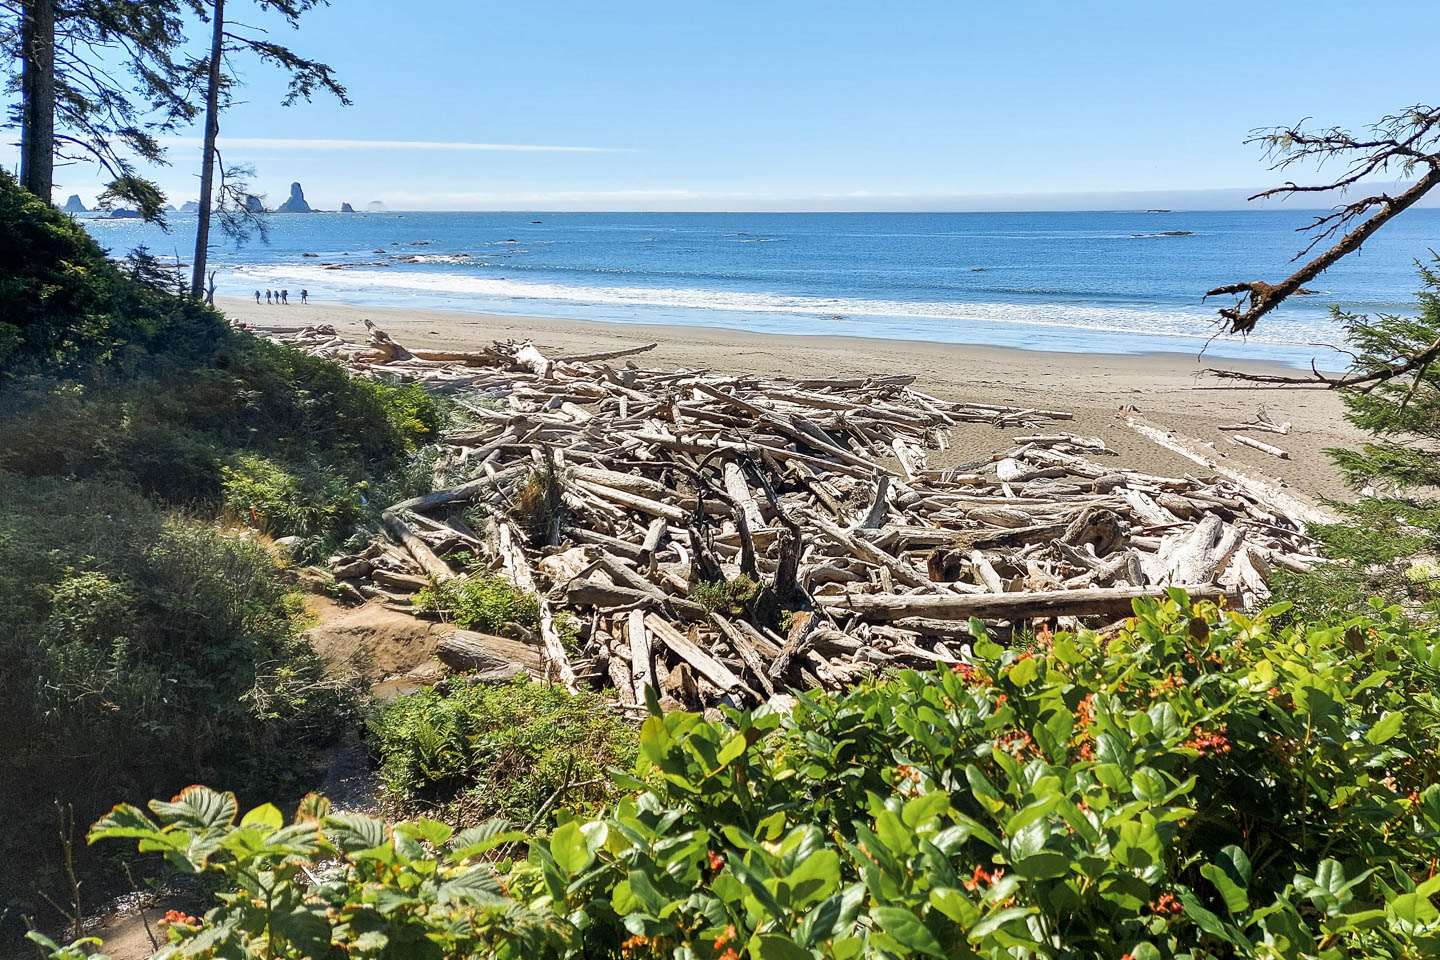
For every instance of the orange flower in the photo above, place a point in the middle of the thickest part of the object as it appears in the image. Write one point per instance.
(716, 861)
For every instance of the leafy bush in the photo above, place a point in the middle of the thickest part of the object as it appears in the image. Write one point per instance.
(480, 603)
(497, 750)
(64, 308)
(285, 502)
(1198, 784)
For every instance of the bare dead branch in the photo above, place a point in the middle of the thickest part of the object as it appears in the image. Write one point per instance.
(1404, 144)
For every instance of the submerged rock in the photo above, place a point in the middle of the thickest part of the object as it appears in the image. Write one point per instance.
(296, 203)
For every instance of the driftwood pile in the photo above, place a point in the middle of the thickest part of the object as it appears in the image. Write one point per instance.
(726, 538)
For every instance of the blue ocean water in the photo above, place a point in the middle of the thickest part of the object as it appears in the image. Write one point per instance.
(1094, 282)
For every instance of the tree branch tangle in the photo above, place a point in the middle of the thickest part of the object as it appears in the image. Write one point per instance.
(1402, 145)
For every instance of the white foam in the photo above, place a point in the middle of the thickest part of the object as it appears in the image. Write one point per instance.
(1196, 324)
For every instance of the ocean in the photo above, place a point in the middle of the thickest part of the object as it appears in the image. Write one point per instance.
(1121, 282)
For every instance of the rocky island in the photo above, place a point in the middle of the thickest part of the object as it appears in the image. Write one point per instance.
(346, 208)
(296, 203)
(73, 205)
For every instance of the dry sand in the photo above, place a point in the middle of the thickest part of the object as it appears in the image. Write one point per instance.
(1166, 388)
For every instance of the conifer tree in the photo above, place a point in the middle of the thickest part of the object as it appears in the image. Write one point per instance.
(1391, 546)
(97, 83)
(232, 200)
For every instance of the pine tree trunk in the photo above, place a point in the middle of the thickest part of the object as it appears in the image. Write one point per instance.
(207, 170)
(37, 84)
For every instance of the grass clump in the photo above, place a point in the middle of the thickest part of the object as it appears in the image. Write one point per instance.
(541, 504)
(483, 751)
(725, 596)
(484, 603)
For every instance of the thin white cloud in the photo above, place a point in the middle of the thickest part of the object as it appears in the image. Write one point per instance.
(310, 143)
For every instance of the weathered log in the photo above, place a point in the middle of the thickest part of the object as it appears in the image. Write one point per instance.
(395, 525)
(470, 650)
(640, 664)
(712, 669)
(1003, 606)
(1262, 446)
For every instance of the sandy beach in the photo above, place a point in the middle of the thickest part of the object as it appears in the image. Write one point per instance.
(1167, 389)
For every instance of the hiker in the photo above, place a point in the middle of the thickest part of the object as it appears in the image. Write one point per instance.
(257, 296)
(304, 296)
(267, 296)
(285, 297)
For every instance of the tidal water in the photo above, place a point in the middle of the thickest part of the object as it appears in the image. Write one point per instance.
(1121, 282)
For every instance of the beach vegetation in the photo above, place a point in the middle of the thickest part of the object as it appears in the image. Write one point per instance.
(150, 636)
(540, 503)
(725, 596)
(1194, 783)
(482, 602)
(472, 752)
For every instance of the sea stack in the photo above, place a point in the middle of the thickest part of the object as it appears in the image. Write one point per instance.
(253, 204)
(189, 206)
(73, 205)
(296, 203)
(346, 208)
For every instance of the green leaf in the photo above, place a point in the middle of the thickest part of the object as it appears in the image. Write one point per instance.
(907, 929)
(1149, 785)
(955, 905)
(643, 890)
(1203, 918)
(1024, 671)
(480, 839)
(569, 848)
(654, 739)
(267, 815)
(198, 807)
(733, 748)
(994, 921)
(834, 914)
(774, 946)
(432, 832)
(1388, 726)
(476, 885)
(307, 930)
(1235, 897)
(353, 832)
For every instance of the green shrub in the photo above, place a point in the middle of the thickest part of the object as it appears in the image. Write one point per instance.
(1397, 522)
(65, 309)
(725, 596)
(140, 651)
(285, 502)
(1198, 784)
(483, 603)
(486, 751)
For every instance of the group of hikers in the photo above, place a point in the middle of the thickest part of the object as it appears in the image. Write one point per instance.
(282, 296)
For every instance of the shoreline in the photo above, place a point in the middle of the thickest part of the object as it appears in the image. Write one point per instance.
(1164, 387)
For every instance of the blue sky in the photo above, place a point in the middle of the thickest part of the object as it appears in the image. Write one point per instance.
(794, 104)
